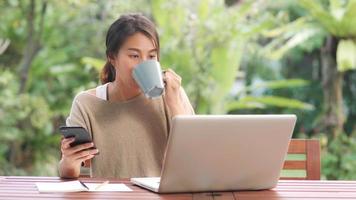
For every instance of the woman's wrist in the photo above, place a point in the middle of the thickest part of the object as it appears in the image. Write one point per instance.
(178, 109)
(68, 170)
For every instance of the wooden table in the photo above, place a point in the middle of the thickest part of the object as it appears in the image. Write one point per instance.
(23, 187)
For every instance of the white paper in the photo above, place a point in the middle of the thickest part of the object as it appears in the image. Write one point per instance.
(75, 186)
(68, 186)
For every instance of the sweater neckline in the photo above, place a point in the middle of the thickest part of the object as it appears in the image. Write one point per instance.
(133, 99)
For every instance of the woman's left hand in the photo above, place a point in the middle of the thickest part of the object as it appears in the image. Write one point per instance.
(173, 96)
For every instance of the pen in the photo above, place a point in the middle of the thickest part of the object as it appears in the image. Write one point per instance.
(83, 185)
(101, 185)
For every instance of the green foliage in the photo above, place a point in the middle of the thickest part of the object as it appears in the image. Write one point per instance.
(93, 62)
(339, 21)
(300, 61)
(264, 101)
(205, 41)
(203, 48)
(29, 143)
(339, 159)
(279, 84)
(26, 139)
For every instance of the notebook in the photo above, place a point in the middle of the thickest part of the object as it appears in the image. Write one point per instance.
(222, 153)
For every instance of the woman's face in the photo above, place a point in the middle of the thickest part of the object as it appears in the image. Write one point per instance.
(136, 48)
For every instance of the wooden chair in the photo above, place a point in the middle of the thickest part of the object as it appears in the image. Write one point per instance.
(303, 160)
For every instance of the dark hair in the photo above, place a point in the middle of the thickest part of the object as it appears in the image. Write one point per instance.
(119, 31)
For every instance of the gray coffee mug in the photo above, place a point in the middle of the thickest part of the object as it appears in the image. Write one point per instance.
(148, 75)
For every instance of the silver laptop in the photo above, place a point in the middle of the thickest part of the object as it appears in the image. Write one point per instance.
(223, 153)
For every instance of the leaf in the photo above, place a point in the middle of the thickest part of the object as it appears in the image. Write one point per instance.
(203, 9)
(337, 9)
(320, 14)
(237, 105)
(346, 55)
(279, 84)
(349, 19)
(94, 62)
(225, 63)
(265, 101)
(340, 20)
(294, 41)
(294, 25)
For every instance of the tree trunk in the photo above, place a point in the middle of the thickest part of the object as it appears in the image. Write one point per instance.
(332, 79)
(33, 42)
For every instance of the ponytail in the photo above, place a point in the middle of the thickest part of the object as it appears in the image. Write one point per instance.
(107, 73)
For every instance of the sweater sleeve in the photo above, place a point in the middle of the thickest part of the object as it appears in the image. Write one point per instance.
(77, 116)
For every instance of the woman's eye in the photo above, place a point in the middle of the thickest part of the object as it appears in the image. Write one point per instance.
(152, 56)
(133, 56)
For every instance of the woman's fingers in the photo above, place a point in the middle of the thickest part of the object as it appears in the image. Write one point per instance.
(171, 74)
(77, 154)
(85, 154)
(82, 155)
(79, 148)
(172, 79)
(66, 143)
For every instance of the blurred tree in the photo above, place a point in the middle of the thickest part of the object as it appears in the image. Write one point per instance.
(47, 41)
(338, 54)
(34, 36)
(204, 41)
(203, 47)
(27, 145)
(209, 64)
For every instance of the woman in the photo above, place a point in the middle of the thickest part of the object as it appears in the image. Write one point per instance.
(129, 130)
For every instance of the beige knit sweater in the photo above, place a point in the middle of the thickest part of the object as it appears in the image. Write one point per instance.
(131, 136)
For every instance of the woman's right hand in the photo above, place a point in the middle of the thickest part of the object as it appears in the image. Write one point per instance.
(72, 157)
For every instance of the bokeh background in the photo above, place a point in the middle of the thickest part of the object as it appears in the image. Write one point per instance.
(236, 57)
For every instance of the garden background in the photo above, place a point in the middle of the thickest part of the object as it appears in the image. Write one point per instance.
(236, 57)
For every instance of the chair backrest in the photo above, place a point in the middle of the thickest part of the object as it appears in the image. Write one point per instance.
(303, 160)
